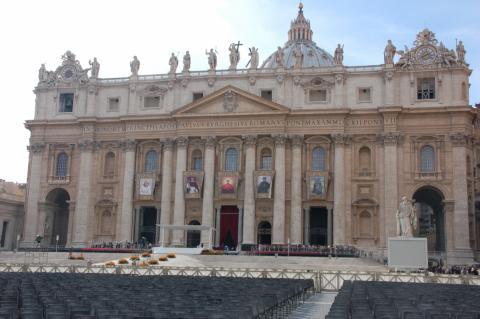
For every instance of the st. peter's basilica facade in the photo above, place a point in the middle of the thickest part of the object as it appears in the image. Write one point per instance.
(300, 149)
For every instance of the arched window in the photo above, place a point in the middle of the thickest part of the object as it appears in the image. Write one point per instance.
(151, 161)
(109, 169)
(364, 164)
(365, 224)
(427, 159)
(193, 236)
(62, 165)
(318, 159)
(266, 159)
(197, 160)
(231, 160)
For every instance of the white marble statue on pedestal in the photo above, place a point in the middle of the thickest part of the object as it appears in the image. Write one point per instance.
(212, 59)
(95, 68)
(253, 58)
(135, 65)
(406, 218)
(338, 57)
(186, 62)
(173, 62)
(389, 52)
(279, 57)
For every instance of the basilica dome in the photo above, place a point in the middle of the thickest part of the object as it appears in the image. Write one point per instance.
(300, 38)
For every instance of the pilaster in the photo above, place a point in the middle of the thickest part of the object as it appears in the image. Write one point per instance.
(339, 188)
(278, 236)
(179, 204)
(208, 188)
(125, 222)
(296, 191)
(249, 197)
(166, 200)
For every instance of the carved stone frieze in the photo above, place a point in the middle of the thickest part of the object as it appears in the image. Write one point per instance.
(211, 81)
(210, 141)
(339, 79)
(252, 80)
(280, 78)
(181, 141)
(128, 145)
(167, 143)
(297, 79)
(460, 139)
(297, 140)
(36, 148)
(250, 140)
(388, 76)
(279, 139)
(392, 138)
(198, 143)
(341, 139)
(230, 101)
(88, 145)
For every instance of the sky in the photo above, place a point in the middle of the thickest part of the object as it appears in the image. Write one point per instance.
(35, 32)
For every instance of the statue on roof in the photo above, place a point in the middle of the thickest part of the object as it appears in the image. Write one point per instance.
(186, 62)
(42, 73)
(234, 55)
(389, 52)
(135, 65)
(253, 58)
(461, 52)
(173, 62)
(338, 57)
(279, 57)
(298, 55)
(95, 68)
(68, 58)
(212, 59)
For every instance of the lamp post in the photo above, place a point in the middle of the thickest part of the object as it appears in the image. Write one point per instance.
(56, 243)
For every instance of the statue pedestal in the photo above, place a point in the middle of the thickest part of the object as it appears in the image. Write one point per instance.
(407, 252)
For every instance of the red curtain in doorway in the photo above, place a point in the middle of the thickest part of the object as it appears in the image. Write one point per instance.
(229, 226)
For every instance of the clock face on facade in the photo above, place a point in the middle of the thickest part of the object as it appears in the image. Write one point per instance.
(426, 54)
(67, 73)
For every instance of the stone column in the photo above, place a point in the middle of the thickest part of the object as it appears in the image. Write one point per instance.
(166, 204)
(278, 236)
(217, 227)
(460, 195)
(390, 182)
(339, 189)
(330, 227)
(82, 212)
(208, 190)
(249, 196)
(296, 191)
(125, 220)
(179, 205)
(33, 194)
(306, 230)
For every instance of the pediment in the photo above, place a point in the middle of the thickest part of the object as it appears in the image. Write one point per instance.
(230, 101)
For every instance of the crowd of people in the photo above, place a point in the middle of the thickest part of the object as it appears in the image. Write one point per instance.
(334, 251)
(141, 244)
(440, 268)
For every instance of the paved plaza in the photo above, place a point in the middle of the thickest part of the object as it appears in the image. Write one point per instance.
(237, 261)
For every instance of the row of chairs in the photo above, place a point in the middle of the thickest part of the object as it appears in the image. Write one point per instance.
(55, 295)
(365, 300)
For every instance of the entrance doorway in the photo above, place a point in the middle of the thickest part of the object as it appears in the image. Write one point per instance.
(431, 218)
(318, 226)
(229, 226)
(148, 225)
(264, 233)
(193, 236)
(56, 220)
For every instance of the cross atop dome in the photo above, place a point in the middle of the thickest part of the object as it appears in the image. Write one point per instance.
(300, 27)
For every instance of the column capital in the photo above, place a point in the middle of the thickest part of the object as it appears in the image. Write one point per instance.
(341, 138)
(391, 138)
(128, 145)
(88, 145)
(297, 140)
(459, 138)
(181, 141)
(210, 141)
(167, 144)
(448, 206)
(36, 148)
(279, 139)
(250, 140)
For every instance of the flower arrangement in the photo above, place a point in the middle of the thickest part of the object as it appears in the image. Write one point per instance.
(123, 261)
(134, 258)
(171, 255)
(143, 264)
(153, 262)
(146, 255)
(109, 264)
(163, 258)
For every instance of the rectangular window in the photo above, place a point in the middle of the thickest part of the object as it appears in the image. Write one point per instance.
(66, 102)
(151, 101)
(113, 104)
(197, 163)
(266, 94)
(197, 96)
(426, 89)
(318, 95)
(4, 234)
(364, 95)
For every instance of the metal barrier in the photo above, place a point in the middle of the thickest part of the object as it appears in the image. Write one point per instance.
(323, 280)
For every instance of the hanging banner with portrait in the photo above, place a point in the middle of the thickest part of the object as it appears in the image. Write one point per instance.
(146, 186)
(263, 183)
(228, 183)
(317, 185)
(193, 184)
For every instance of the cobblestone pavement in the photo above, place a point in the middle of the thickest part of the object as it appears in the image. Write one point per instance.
(235, 261)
